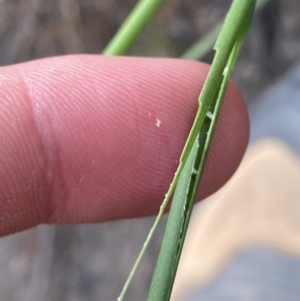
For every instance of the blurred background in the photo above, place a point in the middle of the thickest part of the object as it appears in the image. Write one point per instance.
(91, 262)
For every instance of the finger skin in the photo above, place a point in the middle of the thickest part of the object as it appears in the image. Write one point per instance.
(92, 138)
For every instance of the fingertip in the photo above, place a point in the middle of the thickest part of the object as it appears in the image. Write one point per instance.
(109, 132)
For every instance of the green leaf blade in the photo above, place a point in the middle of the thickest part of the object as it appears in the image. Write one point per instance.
(193, 158)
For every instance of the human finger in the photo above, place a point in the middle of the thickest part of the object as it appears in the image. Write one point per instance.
(93, 138)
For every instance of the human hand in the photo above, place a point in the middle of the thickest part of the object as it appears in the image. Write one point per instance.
(89, 138)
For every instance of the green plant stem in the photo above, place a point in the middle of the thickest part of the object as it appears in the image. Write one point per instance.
(132, 27)
(201, 47)
(210, 98)
(227, 48)
(183, 201)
